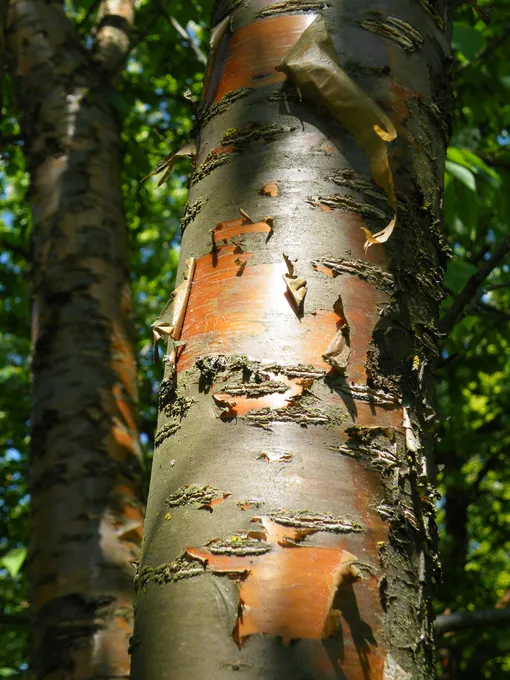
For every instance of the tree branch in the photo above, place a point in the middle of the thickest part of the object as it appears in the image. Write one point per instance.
(456, 311)
(498, 286)
(483, 307)
(141, 35)
(162, 11)
(477, 619)
(495, 162)
(489, 465)
(16, 250)
(112, 42)
(92, 7)
(184, 35)
(14, 619)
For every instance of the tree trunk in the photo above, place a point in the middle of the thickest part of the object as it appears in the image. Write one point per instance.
(4, 5)
(290, 526)
(86, 479)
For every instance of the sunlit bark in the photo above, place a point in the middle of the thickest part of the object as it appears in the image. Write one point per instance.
(290, 530)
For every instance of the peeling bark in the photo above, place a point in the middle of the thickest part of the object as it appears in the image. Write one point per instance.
(314, 410)
(86, 480)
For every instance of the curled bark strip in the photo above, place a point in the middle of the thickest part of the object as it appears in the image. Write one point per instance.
(338, 351)
(381, 236)
(188, 150)
(218, 33)
(171, 324)
(312, 64)
(296, 286)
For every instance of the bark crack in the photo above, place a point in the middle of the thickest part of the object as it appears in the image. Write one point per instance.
(183, 567)
(293, 6)
(206, 115)
(201, 497)
(292, 414)
(191, 212)
(349, 203)
(395, 29)
(315, 521)
(367, 271)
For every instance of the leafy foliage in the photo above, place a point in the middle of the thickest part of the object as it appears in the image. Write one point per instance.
(474, 377)
(474, 514)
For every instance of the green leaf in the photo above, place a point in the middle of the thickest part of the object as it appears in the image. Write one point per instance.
(472, 162)
(457, 273)
(467, 39)
(7, 672)
(462, 174)
(13, 560)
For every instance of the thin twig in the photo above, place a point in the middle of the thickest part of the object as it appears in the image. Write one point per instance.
(495, 162)
(476, 619)
(14, 619)
(489, 465)
(93, 6)
(484, 308)
(456, 311)
(498, 286)
(185, 36)
(139, 37)
(16, 250)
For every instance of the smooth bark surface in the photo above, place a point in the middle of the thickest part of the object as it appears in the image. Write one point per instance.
(86, 481)
(290, 529)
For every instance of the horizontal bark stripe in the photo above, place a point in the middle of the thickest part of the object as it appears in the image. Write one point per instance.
(230, 313)
(247, 57)
(243, 404)
(229, 303)
(228, 230)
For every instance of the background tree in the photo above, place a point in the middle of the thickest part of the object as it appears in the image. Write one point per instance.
(85, 475)
(472, 380)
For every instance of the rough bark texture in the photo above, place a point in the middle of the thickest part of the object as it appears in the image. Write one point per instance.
(4, 4)
(290, 529)
(86, 479)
